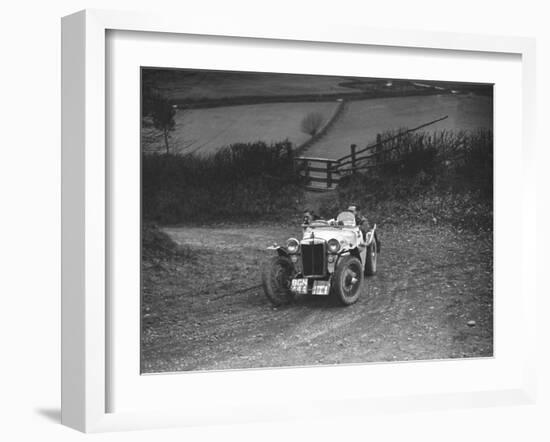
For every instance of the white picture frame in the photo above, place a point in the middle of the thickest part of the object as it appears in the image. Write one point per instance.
(85, 234)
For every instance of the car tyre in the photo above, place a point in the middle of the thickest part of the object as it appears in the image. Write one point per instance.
(347, 280)
(276, 278)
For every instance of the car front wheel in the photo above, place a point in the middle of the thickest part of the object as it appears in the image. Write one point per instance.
(276, 278)
(347, 280)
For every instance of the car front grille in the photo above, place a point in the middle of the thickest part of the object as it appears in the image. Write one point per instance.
(313, 259)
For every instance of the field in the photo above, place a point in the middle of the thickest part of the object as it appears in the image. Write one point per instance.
(208, 85)
(207, 311)
(364, 119)
(191, 88)
(203, 131)
(216, 109)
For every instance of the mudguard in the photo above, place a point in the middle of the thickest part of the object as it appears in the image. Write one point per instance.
(281, 251)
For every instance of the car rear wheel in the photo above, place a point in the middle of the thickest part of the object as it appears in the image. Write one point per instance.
(347, 280)
(276, 278)
(371, 258)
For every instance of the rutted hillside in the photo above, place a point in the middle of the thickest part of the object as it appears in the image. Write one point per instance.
(431, 298)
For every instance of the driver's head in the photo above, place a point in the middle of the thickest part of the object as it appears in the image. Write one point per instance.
(354, 208)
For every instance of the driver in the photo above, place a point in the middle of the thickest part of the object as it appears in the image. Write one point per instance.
(308, 217)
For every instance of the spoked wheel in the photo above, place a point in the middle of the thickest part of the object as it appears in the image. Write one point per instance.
(371, 258)
(347, 280)
(276, 278)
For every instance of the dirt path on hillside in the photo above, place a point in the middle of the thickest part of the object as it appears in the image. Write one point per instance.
(210, 313)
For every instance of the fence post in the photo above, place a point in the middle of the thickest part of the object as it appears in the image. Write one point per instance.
(306, 172)
(353, 147)
(329, 173)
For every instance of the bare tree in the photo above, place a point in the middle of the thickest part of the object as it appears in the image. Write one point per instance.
(312, 122)
(163, 114)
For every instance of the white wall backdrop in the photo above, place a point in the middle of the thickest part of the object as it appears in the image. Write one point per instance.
(30, 214)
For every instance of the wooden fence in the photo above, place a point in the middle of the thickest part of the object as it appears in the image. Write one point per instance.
(353, 160)
(324, 173)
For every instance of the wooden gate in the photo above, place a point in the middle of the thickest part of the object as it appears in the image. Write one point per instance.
(320, 173)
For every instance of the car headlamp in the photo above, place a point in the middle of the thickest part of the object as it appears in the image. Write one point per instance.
(333, 245)
(292, 245)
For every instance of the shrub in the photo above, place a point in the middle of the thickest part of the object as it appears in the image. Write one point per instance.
(242, 181)
(440, 177)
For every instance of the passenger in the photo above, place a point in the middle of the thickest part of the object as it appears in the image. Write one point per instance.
(363, 223)
(360, 220)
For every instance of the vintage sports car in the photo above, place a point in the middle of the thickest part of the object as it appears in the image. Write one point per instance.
(331, 259)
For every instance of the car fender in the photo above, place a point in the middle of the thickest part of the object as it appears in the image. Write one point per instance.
(353, 251)
(370, 236)
(281, 251)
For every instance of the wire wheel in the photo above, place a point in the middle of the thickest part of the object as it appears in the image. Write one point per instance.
(347, 280)
(276, 278)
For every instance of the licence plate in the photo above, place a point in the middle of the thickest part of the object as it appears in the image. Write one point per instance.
(321, 288)
(299, 285)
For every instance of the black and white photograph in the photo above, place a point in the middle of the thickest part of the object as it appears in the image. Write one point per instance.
(294, 220)
(304, 220)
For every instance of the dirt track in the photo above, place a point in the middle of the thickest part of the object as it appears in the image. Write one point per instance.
(431, 281)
